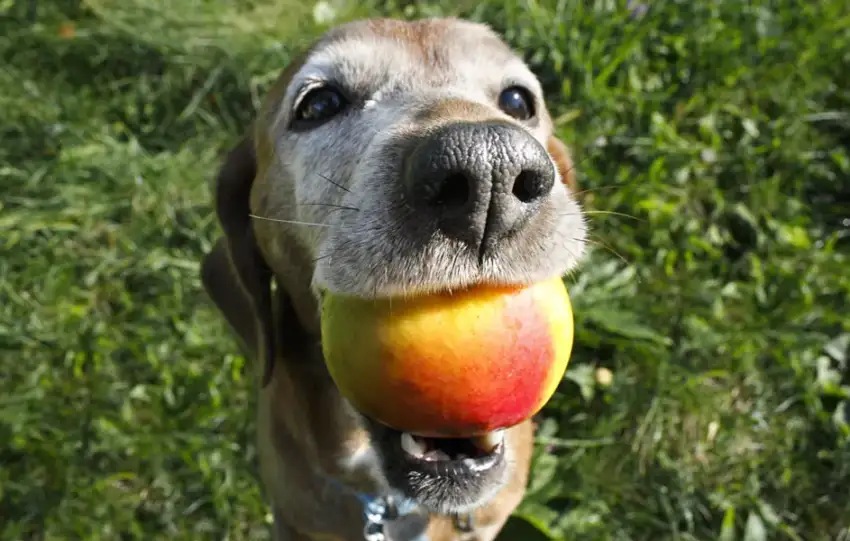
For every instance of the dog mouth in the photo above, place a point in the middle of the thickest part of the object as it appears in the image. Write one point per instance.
(464, 453)
(443, 475)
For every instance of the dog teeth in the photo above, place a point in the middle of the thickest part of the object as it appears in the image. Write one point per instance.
(412, 445)
(490, 441)
(435, 455)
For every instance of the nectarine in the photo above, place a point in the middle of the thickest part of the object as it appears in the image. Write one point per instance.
(454, 364)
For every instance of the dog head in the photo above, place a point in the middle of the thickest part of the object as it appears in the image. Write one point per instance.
(398, 158)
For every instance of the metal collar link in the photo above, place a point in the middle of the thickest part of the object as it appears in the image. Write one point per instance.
(378, 511)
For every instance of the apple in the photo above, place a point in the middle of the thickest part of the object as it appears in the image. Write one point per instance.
(456, 364)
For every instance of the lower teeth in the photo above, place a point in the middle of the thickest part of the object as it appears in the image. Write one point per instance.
(420, 448)
(436, 454)
(490, 441)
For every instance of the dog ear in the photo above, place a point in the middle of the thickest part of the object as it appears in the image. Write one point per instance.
(234, 273)
(563, 159)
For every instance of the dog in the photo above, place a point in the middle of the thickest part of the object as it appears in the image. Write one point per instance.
(390, 158)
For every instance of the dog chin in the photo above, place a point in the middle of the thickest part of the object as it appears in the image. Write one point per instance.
(444, 476)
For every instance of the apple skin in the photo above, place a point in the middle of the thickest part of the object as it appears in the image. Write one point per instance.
(454, 364)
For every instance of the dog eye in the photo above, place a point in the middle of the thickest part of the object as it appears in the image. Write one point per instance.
(517, 102)
(319, 105)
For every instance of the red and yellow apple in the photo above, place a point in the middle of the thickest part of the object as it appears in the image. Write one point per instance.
(454, 364)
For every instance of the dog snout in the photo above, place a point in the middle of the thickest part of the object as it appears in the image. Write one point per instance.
(479, 181)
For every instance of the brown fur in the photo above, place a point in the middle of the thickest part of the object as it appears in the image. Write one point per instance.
(454, 110)
(561, 155)
(306, 431)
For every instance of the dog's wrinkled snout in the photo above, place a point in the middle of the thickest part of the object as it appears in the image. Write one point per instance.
(480, 182)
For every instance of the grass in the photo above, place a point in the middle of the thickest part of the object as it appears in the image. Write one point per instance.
(713, 139)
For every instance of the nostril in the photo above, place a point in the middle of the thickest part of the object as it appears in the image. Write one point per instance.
(453, 192)
(530, 185)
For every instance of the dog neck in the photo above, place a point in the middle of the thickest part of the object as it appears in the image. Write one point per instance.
(314, 428)
(308, 405)
(318, 442)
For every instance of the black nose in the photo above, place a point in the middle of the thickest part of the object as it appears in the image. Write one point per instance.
(480, 182)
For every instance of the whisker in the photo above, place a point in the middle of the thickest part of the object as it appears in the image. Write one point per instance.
(600, 188)
(338, 207)
(294, 222)
(585, 212)
(340, 186)
(600, 242)
(579, 162)
(614, 213)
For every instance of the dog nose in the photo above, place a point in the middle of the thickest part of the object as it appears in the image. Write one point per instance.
(480, 182)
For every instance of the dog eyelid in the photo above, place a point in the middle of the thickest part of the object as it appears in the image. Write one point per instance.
(307, 86)
(313, 90)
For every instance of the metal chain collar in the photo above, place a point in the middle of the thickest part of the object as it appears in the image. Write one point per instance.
(378, 511)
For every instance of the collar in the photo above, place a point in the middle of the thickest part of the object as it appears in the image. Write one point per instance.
(378, 510)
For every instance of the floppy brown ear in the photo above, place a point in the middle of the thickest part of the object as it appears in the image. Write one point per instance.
(234, 273)
(563, 159)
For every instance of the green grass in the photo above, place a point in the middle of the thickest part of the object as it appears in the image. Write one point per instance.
(717, 295)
